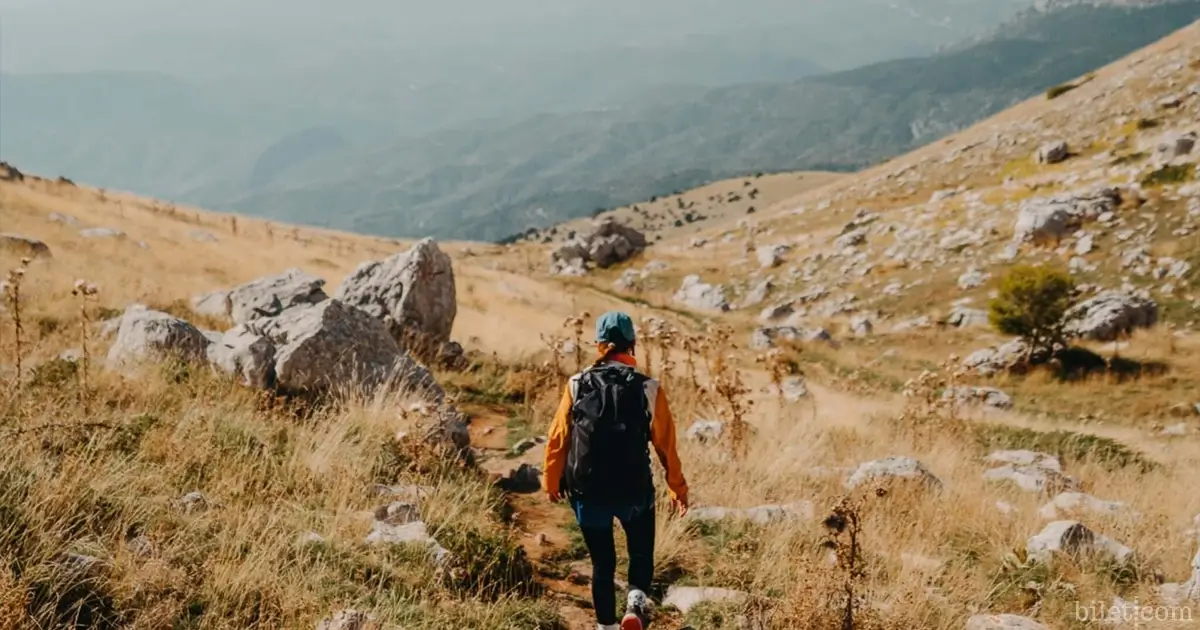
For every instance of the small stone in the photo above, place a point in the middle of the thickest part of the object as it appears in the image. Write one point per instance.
(193, 502)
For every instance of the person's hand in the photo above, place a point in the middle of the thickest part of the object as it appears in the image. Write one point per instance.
(554, 497)
(679, 505)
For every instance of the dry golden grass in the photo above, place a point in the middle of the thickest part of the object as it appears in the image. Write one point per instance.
(89, 471)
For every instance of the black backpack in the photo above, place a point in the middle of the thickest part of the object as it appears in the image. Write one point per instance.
(608, 457)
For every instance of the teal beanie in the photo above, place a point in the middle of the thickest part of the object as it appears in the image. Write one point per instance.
(615, 327)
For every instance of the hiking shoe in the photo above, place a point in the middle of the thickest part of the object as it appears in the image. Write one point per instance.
(637, 611)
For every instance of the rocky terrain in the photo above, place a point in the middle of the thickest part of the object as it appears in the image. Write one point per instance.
(216, 422)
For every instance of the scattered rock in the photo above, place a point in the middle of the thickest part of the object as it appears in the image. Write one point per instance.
(58, 217)
(684, 598)
(1025, 458)
(213, 304)
(607, 244)
(271, 296)
(771, 256)
(701, 296)
(861, 326)
(452, 356)
(1052, 153)
(23, 245)
(850, 239)
(347, 620)
(200, 236)
(1085, 245)
(1033, 479)
(1076, 540)
(963, 317)
(988, 397)
(1074, 503)
(9, 173)
(791, 388)
(890, 469)
(990, 361)
(1175, 145)
(524, 479)
(629, 280)
(400, 525)
(1049, 219)
(101, 232)
(972, 278)
(193, 502)
(1111, 315)
(705, 431)
(412, 293)
(1003, 622)
(144, 334)
(762, 515)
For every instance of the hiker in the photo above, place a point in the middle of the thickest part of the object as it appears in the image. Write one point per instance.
(598, 458)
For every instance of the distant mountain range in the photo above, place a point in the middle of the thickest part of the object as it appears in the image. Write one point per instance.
(488, 181)
(632, 122)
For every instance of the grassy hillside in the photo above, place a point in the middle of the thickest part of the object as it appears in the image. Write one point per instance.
(489, 181)
(99, 527)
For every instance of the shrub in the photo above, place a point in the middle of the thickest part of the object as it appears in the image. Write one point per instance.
(1032, 304)
(1059, 90)
(1170, 174)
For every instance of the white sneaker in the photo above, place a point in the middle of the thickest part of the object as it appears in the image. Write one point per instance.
(611, 626)
(637, 611)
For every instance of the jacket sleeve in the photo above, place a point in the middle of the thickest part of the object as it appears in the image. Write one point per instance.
(662, 434)
(556, 445)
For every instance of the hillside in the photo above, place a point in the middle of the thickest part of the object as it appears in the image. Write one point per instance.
(836, 469)
(487, 181)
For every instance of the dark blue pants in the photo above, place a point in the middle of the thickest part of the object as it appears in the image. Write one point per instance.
(596, 522)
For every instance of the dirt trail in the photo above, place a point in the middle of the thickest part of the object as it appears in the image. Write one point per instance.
(543, 526)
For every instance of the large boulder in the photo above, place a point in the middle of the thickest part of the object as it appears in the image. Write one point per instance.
(213, 304)
(606, 244)
(1112, 314)
(697, 294)
(1049, 219)
(144, 335)
(247, 354)
(331, 347)
(270, 296)
(412, 293)
(23, 245)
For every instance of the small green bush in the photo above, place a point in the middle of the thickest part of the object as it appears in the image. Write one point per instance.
(1170, 174)
(1147, 123)
(1059, 90)
(1032, 304)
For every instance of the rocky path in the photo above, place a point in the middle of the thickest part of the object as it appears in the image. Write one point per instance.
(544, 527)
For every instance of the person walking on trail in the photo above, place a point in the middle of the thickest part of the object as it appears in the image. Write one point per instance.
(598, 458)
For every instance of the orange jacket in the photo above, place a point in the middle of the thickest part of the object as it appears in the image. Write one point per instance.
(662, 436)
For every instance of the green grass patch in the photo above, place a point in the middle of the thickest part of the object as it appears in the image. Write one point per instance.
(1132, 158)
(1170, 174)
(1068, 445)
